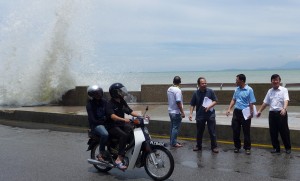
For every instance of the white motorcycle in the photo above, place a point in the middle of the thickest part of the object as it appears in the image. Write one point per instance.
(140, 152)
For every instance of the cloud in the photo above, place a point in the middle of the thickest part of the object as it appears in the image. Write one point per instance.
(152, 34)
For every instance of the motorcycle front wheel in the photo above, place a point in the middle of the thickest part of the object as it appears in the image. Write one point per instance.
(159, 164)
(94, 153)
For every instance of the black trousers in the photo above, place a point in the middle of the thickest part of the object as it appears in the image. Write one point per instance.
(211, 125)
(122, 133)
(237, 122)
(279, 124)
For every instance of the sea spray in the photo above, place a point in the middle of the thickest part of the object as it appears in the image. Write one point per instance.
(55, 76)
(38, 46)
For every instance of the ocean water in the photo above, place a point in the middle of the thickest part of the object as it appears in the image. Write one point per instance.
(134, 80)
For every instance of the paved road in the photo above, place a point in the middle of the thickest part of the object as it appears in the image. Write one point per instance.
(42, 154)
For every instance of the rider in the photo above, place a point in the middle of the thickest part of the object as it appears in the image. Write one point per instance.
(97, 109)
(120, 125)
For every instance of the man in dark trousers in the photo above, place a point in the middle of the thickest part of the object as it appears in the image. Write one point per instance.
(204, 99)
(277, 98)
(119, 125)
(243, 98)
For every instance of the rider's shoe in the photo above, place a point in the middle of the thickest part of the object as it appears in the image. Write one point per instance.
(121, 166)
(100, 158)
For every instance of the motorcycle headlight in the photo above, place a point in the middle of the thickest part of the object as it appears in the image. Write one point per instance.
(136, 122)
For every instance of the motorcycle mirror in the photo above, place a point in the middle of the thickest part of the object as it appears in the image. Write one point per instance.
(145, 111)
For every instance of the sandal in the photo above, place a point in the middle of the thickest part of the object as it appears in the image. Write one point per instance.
(120, 166)
(100, 158)
(178, 145)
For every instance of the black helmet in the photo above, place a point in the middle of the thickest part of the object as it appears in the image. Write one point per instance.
(117, 90)
(95, 91)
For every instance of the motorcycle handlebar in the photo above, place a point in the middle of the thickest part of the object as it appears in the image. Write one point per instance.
(139, 120)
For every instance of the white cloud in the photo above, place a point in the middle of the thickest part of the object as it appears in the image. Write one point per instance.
(153, 33)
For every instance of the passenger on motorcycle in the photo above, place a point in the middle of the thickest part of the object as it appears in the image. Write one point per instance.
(119, 125)
(97, 110)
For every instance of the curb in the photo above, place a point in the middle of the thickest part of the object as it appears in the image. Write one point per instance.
(159, 129)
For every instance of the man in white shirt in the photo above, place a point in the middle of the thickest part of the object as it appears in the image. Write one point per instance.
(277, 98)
(175, 109)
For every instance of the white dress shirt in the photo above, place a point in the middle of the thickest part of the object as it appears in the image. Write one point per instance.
(275, 98)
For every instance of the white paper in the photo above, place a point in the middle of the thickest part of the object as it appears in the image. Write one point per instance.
(246, 112)
(207, 102)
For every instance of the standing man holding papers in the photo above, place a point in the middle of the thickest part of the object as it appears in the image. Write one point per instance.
(243, 98)
(204, 99)
(277, 98)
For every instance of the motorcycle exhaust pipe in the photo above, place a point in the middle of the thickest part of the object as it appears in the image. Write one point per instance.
(96, 162)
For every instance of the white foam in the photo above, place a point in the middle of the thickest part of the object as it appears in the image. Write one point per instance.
(39, 42)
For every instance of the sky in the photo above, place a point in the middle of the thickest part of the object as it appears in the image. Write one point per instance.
(158, 35)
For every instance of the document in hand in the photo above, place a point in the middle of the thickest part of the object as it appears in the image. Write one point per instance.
(206, 102)
(246, 112)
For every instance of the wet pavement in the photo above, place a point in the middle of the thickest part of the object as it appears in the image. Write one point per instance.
(44, 154)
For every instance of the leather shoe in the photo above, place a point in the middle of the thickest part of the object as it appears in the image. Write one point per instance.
(215, 150)
(288, 151)
(197, 149)
(275, 151)
(248, 152)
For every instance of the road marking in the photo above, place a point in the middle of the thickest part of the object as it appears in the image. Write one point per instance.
(221, 141)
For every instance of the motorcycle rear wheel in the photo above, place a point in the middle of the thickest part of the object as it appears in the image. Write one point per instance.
(94, 153)
(165, 163)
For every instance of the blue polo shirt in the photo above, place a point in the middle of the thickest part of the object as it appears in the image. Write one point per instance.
(243, 97)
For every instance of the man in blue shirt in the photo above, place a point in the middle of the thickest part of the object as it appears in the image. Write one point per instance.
(243, 98)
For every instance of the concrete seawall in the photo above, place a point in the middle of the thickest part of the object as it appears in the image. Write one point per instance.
(157, 93)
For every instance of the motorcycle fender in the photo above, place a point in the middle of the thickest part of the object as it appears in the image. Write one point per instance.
(92, 142)
(154, 146)
(133, 153)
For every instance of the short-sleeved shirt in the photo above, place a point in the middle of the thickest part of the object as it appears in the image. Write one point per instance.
(97, 111)
(197, 100)
(119, 109)
(243, 97)
(276, 97)
(174, 96)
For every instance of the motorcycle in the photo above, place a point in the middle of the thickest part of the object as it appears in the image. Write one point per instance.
(141, 151)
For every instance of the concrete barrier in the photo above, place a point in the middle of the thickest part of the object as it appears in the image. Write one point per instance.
(45, 117)
(157, 93)
(224, 132)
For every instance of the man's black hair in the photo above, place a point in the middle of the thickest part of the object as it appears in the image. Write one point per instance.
(176, 80)
(242, 77)
(198, 81)
(275, 76)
